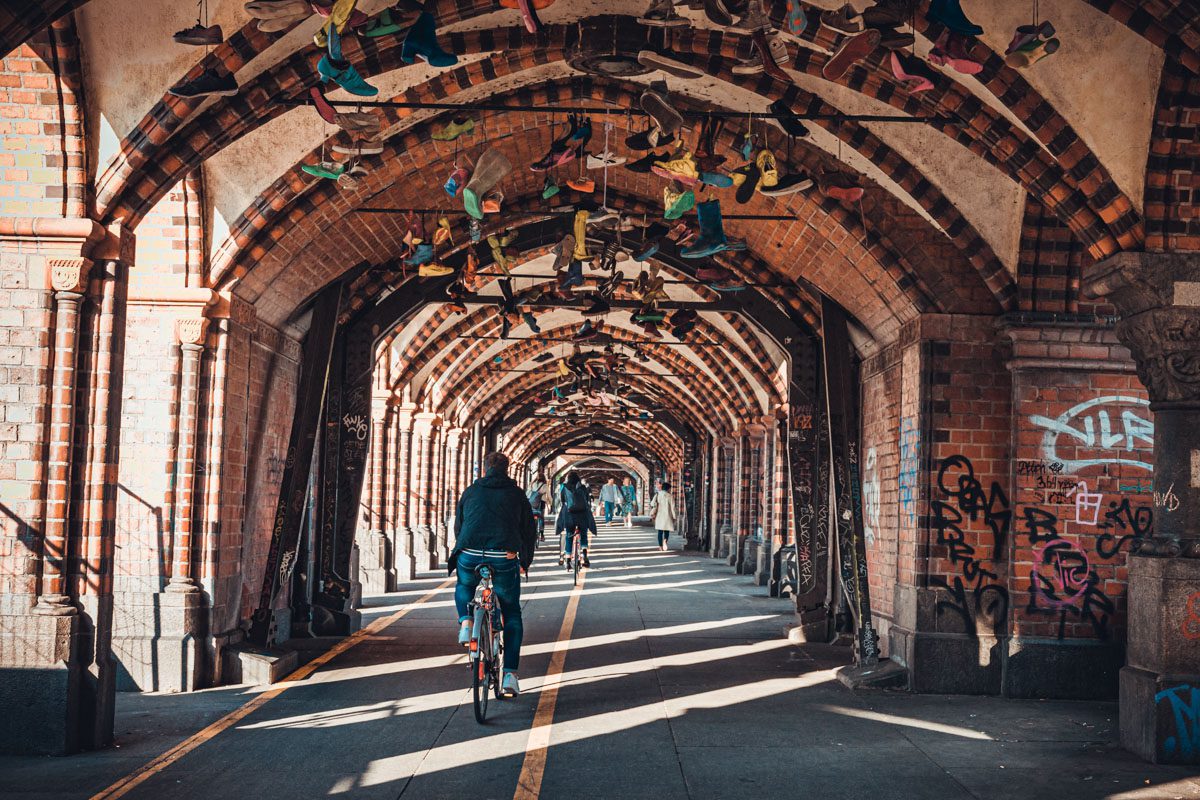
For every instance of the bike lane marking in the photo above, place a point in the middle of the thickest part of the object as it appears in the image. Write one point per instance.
(529, 784)
(158, 764)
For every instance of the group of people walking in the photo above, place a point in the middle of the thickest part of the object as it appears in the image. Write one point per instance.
(498, 525)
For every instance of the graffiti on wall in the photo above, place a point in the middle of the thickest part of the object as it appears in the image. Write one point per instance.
(1062, 582)
(1191, 619)
(975, 591)
(871, 495)
(910, 446)
(1186, 712)
(1111, 427)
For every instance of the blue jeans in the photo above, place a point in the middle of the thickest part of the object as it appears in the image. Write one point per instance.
(663, 536)
(609, 507)
(506, 580)
(583, 539)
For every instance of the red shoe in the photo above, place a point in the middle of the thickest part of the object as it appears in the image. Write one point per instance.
(852, 50)
(911, 71)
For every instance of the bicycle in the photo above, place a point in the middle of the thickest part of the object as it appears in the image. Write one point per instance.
(487, 643)
(576, 554)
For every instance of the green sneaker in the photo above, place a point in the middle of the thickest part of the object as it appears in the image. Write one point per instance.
(549, 188)
(677, 203)
(324, 169)
(454, 129)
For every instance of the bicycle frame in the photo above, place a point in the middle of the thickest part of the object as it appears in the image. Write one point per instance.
(486, 646)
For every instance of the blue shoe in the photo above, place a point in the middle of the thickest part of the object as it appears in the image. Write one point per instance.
(509, 686)
(347, 78)
(464, 633)
(950, 14)
(422, 254)
(421, 42)
(718, 179)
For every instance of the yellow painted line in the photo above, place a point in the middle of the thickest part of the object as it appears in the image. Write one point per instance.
(157, 765)
(529, 784)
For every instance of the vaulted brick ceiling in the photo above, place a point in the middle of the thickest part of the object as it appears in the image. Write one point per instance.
(938, 229)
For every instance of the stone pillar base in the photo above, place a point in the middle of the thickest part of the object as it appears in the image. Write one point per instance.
(41, 676)
(158, 641)
(749, 562)
(404, 562)
(1160, 686)
(762, 565)
(378, 576)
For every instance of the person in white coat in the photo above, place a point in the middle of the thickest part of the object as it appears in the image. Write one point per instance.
(662, 511)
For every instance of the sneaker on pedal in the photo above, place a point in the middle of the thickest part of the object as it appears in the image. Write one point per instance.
(587, 562)
(509, 686)
(464, 634)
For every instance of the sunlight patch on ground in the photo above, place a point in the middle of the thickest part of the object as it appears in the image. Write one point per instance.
(504, 745)
(892, 719)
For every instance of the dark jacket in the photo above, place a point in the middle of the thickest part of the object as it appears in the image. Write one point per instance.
(493, 514)
(567, 520)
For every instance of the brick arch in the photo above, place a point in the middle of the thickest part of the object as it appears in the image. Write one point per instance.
(532, 439)
(1172, 212)
(986, 135)
(427, 345)
(709, 390)
(521, 352)
(639, 466)
(1174, 27)
(299, 199)
(662, 390)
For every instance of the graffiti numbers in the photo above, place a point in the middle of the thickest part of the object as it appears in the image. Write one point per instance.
(1191, 620)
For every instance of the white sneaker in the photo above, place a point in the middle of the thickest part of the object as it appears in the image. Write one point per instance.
(509, 686)
(464, 634)
(603, 160)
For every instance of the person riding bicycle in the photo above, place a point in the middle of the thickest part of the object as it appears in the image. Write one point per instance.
(540, 499)
(494, 525)
(575, 513)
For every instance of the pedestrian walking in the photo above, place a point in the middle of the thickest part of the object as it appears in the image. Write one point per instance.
(662, 510)
(610, 495)
(628, 501)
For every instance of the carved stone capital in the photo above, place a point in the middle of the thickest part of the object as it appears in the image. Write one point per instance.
(191, 330)
(1158, 297)
(69, 274)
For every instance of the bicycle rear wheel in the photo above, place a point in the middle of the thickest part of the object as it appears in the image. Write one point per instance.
(481, 670)
(577, 555)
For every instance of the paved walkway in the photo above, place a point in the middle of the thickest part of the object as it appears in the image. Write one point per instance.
(674, 681)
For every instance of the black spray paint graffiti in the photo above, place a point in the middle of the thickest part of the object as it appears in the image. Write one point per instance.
(1123, 523)
(1063, 583)
(974, 592)
(1186, 741)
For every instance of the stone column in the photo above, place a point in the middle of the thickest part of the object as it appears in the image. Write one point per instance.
(405, 518)
(168, 655)
(375, 562)
(1158, 297)
(68, 278)
(424, 451)
(439, 511)
(454, 483)
(45, 636)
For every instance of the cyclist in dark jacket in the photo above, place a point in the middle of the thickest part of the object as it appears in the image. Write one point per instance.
(493, 525)
(576, 512)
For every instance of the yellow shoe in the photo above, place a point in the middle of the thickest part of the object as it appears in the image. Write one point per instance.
(581, 253)
(769, 175)
(434, 270)
(442, 233)
(681, 168)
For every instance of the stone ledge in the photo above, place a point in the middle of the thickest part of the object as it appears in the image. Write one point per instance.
(245, 663)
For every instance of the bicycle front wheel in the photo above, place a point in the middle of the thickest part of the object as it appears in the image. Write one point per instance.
(481, 671)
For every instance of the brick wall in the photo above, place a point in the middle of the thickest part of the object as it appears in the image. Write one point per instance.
(42, 168)
(1083, 483)
(24, 384)
(881, 383)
